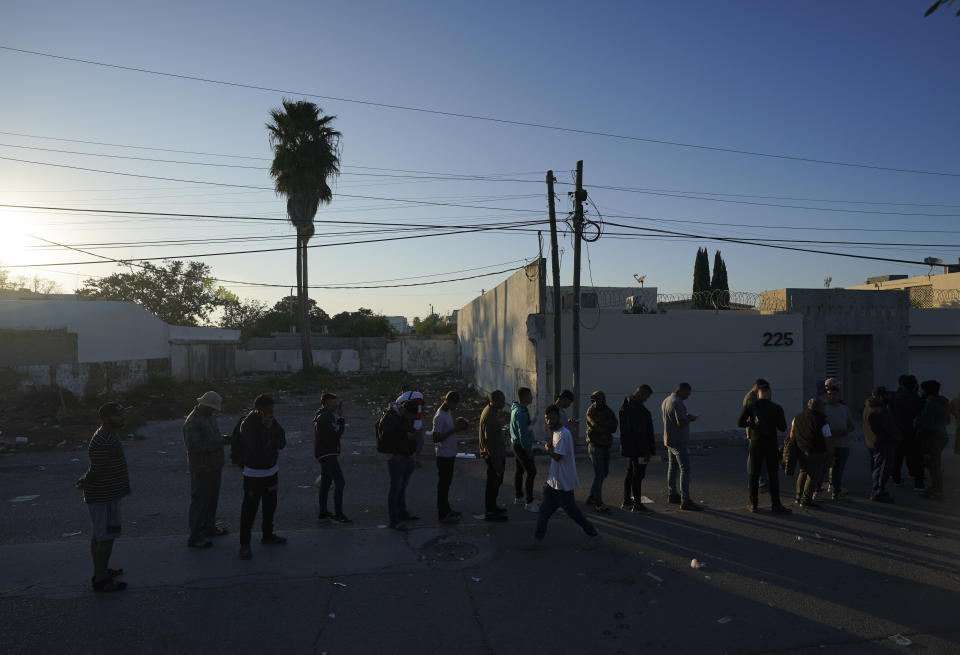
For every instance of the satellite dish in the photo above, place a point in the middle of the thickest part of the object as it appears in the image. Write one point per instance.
(639, 278)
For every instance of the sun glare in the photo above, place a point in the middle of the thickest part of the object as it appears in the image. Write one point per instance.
(13, 242)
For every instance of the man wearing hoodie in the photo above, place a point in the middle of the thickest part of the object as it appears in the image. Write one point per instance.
(932, 434)
(261, 439)
(881, 436)
(327, 429)
(601, 424)
(521, 440)
(636, 444)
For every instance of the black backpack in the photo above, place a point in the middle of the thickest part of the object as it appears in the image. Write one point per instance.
(236, 447)
(382, 445)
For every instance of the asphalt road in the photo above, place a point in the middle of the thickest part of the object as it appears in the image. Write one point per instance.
(842, 579)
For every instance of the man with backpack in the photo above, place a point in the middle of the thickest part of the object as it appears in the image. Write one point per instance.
(261, 439)
(396, 437)
(327, 429)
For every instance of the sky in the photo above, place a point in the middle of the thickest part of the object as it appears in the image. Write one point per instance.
(862, 82)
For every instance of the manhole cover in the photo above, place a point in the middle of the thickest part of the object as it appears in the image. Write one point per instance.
(445, 550)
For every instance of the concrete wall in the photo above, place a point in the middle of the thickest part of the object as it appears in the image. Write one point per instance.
(881, 316)
(935, 348)
(107, 331)
(498, 332)
(719, 354)
(92, 379)
(213, 360)
(30, 347)
(352, 354)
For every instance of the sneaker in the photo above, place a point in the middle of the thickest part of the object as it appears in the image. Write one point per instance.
(342, 518)
(626, 505)
(273, 540)
(780, 509)
(324, 517)
(495, 517)
(691, 506)
(519, 501)
(639, 507)
(109, 584)
(752, 508)
(245, 553)
(199, 543)
(762, 483)
(532, 507)
(600, 508)
(593, 542)
(674, 499)
(533, 544)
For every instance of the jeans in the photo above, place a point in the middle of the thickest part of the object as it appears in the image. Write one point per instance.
(492, 490)
(444, 479)
(401, 468)
(881, 468)
(204, 495)
(636, 472)
(600, 458)
(763, 453)
(678, 464)
(808, 479)
(523, 465)
(552, 499)
(840, 456)
(255, 490)
(331, 475)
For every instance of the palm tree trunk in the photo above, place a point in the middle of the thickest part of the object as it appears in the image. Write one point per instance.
(306, 354)
(305, 345)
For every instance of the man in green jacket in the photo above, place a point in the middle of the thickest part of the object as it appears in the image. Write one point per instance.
(601, 424)
(204, 443)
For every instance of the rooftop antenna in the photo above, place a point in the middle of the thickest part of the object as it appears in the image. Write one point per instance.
(639, 278)
(826, 282)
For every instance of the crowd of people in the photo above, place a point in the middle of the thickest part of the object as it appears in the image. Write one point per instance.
(905, 428)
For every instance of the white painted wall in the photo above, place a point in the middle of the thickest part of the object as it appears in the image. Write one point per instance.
(203, 333)
(719, 354)
(107, 331)
(935, 348)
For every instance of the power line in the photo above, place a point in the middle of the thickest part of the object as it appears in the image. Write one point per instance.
(488, 119)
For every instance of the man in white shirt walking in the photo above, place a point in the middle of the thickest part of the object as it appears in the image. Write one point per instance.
(561, 482)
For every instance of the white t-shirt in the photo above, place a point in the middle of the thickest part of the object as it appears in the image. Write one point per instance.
(443, 422)
(563, 473)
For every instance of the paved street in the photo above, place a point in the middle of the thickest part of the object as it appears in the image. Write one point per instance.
(839, 580)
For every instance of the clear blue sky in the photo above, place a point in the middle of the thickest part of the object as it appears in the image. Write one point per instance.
(869, 82)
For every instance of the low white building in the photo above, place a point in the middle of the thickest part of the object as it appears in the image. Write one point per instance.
(399, 324)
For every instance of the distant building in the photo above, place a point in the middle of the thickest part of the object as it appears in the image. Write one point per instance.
(925, 291)
(399, 324)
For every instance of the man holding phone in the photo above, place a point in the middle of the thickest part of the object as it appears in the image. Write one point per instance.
(328, 427)
(676, 437)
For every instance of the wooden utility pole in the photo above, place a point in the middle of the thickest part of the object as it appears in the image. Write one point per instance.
(555, 265)
(578, 197)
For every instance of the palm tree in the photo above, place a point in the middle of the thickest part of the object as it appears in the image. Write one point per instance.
(306, 152)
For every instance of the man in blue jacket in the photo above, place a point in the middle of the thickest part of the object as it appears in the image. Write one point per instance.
(521, 439)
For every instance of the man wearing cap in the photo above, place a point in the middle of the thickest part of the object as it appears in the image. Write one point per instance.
(601, 424)
(881, 436)
(841, 424)
(327, 429)
(261, 439)
(204, 443)
(104, 484)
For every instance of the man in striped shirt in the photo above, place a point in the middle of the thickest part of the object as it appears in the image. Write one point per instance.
(104, 484)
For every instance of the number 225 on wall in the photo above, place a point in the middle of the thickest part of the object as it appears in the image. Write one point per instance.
(778, 338)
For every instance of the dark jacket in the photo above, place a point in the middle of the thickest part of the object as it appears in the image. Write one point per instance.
(808, 432)
(636, 429)
(932, 422)
(879, 425)
(763, 419)
(204, 442)
(260, 444)
(327, 430)
(398, 433)
(906, 409)
(491, 439)
(601, 424)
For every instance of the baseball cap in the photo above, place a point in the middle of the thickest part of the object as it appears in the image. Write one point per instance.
(831, 383)
(110, 409)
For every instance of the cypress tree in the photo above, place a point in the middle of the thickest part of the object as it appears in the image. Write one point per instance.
(701, 279)
(719, 284)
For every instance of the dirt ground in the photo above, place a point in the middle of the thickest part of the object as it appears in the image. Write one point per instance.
(51, 418)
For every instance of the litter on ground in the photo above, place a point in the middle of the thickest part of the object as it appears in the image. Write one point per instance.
(23, 499)
(724, 619)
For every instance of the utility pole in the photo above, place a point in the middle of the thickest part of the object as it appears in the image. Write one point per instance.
(578, 197)
(555, 265)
